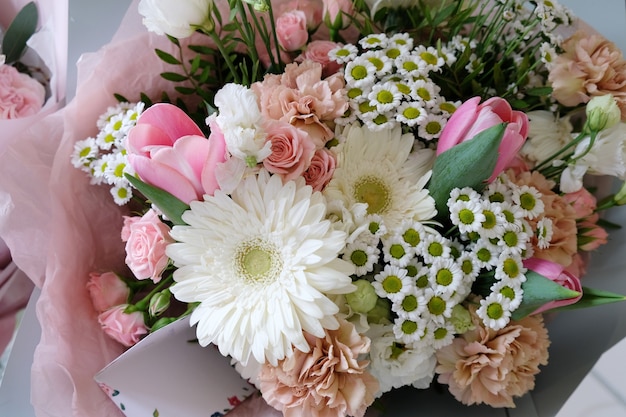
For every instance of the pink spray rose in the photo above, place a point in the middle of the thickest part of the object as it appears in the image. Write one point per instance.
(291, 30)
(558, 274)
(169, 151)
(312, 9)
(107, 290)
(292, 150)
(146, 239)
(583, 202)
(321, 169)
(126, 328)
(591, 236)
(472, 118)
(317, 51)
(334, 11)
(20, 95)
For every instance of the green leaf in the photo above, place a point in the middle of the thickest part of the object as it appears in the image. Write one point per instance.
(18, 33)
(166, 57)
(468, 164)
(120, 98)
(172, 76)
(539, 91)
(539, 290)
(592, 297)
(172, 207)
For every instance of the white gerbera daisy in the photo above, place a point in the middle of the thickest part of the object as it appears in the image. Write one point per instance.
(375, 168)
(260, 263)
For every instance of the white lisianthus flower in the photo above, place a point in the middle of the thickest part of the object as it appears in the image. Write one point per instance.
(240, 121)
(546, 135)
(262, 264)
(396, 365)
(177, 18)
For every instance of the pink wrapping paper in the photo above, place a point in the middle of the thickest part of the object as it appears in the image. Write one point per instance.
(59, 227)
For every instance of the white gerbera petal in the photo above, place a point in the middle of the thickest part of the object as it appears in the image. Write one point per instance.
(260, 264)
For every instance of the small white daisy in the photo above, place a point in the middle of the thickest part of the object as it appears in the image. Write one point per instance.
(343, 54)
(408, 330)
(375, 40)
(434, 246)
(385, 96)
(410, 113)
(438, 306)
(429, 58)
(411, 305)
(529, 200)
(392, 283)
(544, 231)
(439, 334)
(122, 193)
(85, 151)
(493, 224)
(486, 254)
(512, 290)
(468, 216)
(514, 241)
(495, 311)
(445, 276)
(430, 128)
(362, 255)
(510, 267)
(396, 251)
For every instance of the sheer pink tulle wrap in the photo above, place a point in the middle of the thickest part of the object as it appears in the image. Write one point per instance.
(60, 228)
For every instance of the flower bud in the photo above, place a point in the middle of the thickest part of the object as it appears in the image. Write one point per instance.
(364, 298)
(162, 322)
(620, 197)
(602, 113)
(259, 5)
(461, 319)
(381, 314)
(159, 302)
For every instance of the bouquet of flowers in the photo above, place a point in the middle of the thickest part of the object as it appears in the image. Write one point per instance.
(345, 197)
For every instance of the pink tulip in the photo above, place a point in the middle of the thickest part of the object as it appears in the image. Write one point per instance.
(557, 273)
(472, 118)
(168, 150)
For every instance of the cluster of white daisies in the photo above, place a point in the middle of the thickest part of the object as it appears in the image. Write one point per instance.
(104, 157)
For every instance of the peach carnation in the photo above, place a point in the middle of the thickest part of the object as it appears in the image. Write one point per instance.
(563, 245)
(327, 381)
(493, 366)
(589, 66)
(301, 97)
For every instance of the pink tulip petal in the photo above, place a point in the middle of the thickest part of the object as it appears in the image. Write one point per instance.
(217, 155)
(499, 106)
(164, 177)
(458, 124)
(171, 120)
(142, 138)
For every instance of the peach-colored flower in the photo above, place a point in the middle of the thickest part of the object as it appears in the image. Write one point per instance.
(317, 51)
(583, 202)
(20, 95)
(492, 367)
(563, 245)
(292, 150)
(301, 97)
(589, 66)
(327, 381)
(321, 169)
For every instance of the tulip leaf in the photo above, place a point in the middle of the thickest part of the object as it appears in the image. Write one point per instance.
(592, 297)
(539, 290)
(170, 206)
(19, 32)
(468, 164)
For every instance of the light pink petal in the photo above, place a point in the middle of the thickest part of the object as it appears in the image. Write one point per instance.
(164, 177)
(174, 122)
(458, 124)
(217, 155)
(499, 106)
(485, 119)
(142, 138)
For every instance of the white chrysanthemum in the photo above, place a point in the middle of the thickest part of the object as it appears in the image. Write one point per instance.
(396, 251)
(84, 153)
(467, 215)
(392, 283)
(363, 255)
(395, 365)
(512, 290)
(260, 264)
(510, 267)
(544, 232)
(529, 200)
(547, 134)
(343, 54)
(495, 311)
(122, 193)
(375, 168)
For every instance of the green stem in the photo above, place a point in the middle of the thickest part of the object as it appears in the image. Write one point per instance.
(225, 55)
(142, 305)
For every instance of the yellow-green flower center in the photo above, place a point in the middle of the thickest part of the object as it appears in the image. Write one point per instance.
(422, 281)
(527, 201)
(409, 303)
(508, 292)
(440, 333)
(429, 58)
(354, 92)
(490, 219)
(359, 257)
(435, 249)
(412, 237)
(495, 311)
(483, 254)
(424, 94)
(436, 306)
(411, 113)
(392, 284)
(409, 66)
(257, 261)
(393, 53)
(397, 251)
(511, 268)
(358, 72)
(466, 216)
(444, 277)
(377, 62)
(384, 97)
(374, 192)
(433, 127)
(510, 238)
(409, 327)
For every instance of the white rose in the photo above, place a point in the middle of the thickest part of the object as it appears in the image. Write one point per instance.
(177, 18)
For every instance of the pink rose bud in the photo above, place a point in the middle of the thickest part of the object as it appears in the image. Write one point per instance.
(336, 13)
(583, 202)
(20, 95)
(291, 30)
(558, 274)
(472, 118)
(317, 51)
(107, 290)
(292, 150)
(126, 328)
(321, 169)
(146, 239)
(590, 235)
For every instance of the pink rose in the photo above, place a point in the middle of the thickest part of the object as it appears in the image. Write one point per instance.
(292, 150)
(146, 239)
(291, 30)
(321, 169)
(20, 95)
(107, 290)
(169, 151)
(126, 328)
(472, 118)
(583, 201)
(313, 10)
(317, 51)
(590, 235)
(558, 274)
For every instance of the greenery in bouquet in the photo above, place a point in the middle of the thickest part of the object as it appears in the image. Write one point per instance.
(22, 84)
(350, 197)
